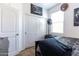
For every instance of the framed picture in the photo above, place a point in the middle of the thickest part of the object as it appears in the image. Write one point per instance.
(76, 17)
(36, 10)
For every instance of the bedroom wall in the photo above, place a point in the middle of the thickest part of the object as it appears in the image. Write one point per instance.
(24, 9)
(54, 9)
(35, 24)
(69, 29)
(27, 11)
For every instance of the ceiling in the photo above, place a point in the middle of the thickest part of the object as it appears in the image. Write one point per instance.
(46, 5)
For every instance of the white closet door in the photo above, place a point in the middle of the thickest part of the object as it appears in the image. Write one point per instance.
(35, 29)
(0, 20)
(9, 26)
(25, 40)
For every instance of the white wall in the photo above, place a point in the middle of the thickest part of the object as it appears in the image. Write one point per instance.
(54, 9)
(69, 29)
(27, 11)
(37, 24)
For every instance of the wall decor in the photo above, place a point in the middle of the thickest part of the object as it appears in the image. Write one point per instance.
(36, 10)
(76, 17)
(64, 7)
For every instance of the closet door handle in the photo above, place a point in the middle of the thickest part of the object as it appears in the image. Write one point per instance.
(25, 33)
(17, 34)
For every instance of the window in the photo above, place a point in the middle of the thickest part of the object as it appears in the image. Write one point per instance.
(57, 22)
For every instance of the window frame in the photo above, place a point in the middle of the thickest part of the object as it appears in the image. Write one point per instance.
(57, 22)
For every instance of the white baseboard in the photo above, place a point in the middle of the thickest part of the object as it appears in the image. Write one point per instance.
(13, 53)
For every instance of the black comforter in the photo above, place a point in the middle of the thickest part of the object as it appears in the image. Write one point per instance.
(52, 47)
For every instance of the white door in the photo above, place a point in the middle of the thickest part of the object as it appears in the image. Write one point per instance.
(35, 29)
(26, 31)
(9, 26)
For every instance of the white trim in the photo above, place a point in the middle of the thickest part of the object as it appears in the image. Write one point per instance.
(13, 53)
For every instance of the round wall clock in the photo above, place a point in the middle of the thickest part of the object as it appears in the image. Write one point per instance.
(64, 7)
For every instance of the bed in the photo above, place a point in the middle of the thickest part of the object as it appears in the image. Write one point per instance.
(51, 47)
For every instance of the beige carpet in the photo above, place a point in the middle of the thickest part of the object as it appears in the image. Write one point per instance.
(27, 52)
